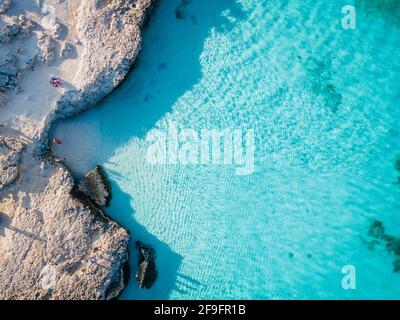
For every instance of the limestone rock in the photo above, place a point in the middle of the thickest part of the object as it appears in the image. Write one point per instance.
(56, 31)
(66, 49)
(55, 244)
(10, 150)
(376, 230)
(46, 47)
(396, 265)
(96, 186)
(147, 272)
(181, 12)
(392, 244)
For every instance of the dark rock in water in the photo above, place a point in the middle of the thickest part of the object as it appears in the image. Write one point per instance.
(96, 186)
(181, 13)
(147, 273)
(376, 230)
(193, 19)
(334, 99)
(392, 244)
(397, 164)
(162, 66)
(396, 265)
(67, 49)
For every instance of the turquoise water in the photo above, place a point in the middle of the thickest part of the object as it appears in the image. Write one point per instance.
(324, 106)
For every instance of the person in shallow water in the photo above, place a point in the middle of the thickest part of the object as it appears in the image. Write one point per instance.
(57, 141)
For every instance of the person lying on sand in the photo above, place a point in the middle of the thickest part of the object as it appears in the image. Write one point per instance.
(55, 82)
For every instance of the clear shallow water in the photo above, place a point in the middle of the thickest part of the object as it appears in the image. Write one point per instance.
(324, 105)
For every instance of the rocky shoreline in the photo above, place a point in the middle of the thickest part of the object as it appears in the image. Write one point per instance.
(55, 243)
(100, 79)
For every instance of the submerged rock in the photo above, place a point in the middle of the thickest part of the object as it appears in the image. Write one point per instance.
(396, 265)
(96, 186)
(319, 77)
(55, 244)
(392, 244)
(147, 272)
(397, 163)
(376, 230)
(181, 12)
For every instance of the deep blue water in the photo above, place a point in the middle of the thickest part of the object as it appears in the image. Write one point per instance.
(323, 103)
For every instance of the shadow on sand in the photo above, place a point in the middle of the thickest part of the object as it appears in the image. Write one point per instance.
(5, 223)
